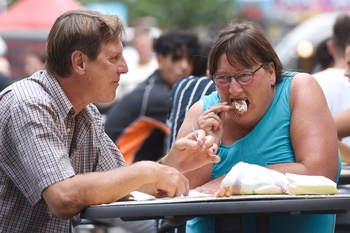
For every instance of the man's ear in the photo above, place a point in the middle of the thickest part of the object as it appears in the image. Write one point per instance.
(330, 47)
(160, 58)
(78, 61)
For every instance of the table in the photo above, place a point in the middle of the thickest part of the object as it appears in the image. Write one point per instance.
(344, 177)
(221, 208)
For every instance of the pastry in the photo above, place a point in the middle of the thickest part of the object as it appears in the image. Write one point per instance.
(224, 191)
(239, 107)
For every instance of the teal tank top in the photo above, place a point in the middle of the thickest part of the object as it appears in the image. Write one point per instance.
(268, 143)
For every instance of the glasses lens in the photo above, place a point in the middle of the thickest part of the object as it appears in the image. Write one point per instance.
(244, 78)
(222, 80)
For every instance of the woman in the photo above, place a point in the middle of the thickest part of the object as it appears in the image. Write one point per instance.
(287, 126)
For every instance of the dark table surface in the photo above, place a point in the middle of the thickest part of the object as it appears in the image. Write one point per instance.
(344, 176)
(262, 205)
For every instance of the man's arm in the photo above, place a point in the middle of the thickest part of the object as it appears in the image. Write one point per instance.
(70, 196)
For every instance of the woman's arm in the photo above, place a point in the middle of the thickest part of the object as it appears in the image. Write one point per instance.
(201, 175)
(312, 131)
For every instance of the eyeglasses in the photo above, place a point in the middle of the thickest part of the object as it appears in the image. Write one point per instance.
(243, 78)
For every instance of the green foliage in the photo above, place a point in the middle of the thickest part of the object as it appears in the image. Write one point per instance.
(184, 14)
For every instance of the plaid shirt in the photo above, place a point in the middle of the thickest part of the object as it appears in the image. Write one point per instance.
(43, 141)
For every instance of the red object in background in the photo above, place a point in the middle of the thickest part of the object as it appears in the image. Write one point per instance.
(34, 14)
(253, 12)
(25, 25)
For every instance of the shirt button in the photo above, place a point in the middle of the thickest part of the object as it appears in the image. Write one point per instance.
(68, 130)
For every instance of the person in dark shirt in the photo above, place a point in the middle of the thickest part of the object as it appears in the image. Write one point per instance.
(189, 90)
(137, 122)
(4, 82)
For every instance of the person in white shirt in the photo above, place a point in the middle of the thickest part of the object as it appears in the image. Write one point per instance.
(142, 67)
(334, 83)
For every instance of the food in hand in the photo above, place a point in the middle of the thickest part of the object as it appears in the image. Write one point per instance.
(239, 107)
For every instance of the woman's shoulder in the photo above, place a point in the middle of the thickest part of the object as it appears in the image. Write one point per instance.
(305, 87)
(303, 79)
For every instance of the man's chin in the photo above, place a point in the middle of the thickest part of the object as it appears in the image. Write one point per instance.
(105, 102)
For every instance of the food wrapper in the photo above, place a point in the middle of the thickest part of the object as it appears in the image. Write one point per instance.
(303, 184)
(246, 178)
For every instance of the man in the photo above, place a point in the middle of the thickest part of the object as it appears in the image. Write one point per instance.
(55, 158)
(332, 80)
(137, 122)
(140, 68)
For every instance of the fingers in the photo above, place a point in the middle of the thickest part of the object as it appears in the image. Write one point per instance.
(209, 122)
(212, 118)
(212, 149)
(188, 154)
(189, 142)
(171, 183)
(216, 110)
(207, 141)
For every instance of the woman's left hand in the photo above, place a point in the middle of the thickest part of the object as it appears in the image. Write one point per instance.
(192, 152)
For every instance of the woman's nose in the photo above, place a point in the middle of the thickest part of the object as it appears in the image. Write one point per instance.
(234, 87)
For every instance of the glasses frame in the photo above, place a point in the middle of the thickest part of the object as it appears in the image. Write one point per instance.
(229, 77)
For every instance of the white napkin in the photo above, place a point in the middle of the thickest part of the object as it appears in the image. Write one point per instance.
(245, 178)
(140, 196)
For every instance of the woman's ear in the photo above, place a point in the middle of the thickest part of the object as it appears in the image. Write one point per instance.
(272, 73)
(78, 61)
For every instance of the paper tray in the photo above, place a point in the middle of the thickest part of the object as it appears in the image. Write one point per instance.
(223, 199)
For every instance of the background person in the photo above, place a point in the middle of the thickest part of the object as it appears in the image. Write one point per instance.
(335, 85)
(280, 129)
(34, 61)
(137, 122)
(143, 67)
(187, 91)
(4, 81)
(323, 57)
(342, 119)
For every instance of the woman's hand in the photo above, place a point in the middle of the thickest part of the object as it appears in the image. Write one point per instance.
(211, 121)
(191, 152)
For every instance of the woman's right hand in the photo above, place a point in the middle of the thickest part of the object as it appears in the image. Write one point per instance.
(211, 121)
